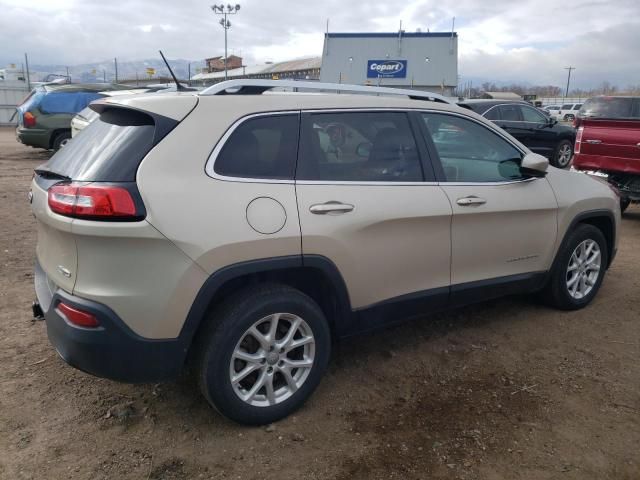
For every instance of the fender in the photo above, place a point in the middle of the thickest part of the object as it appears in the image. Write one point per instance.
(589, 214)
(220, 277)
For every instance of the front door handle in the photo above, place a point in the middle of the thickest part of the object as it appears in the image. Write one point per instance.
(471, 200)
(330, 208)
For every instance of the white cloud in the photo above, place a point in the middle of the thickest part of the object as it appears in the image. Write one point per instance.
(529, 40)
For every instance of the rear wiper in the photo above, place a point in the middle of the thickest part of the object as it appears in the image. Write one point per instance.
(51, 175)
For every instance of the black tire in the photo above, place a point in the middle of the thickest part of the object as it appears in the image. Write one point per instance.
(563, 154)
(569, 117)
(556, 292)
(227, 325)
(60, 139)
(624, 204)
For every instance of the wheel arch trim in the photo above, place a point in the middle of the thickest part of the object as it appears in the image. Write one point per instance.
(220, 277)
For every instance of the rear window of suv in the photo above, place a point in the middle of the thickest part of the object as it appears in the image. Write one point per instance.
(610, 108)
(108, 150)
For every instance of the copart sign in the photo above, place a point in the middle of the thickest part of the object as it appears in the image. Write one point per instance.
(386, 68)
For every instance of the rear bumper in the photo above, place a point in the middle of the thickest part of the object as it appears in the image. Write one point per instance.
(34, 137)
(112, 350)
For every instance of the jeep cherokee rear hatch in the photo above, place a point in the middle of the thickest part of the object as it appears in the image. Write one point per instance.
(93, 179)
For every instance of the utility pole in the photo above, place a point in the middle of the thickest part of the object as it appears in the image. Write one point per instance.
(226, 24)
(568, 79)
(115, 62)
(26, 62)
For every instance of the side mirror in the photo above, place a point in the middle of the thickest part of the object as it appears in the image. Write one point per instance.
(363, 149)
(551, 121)
(534, 164)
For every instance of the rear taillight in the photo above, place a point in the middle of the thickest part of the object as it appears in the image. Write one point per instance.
(93, 202)
(78, 317)
(578, 140)
(28, 120)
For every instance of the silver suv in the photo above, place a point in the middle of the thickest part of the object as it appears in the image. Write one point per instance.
(240, 230)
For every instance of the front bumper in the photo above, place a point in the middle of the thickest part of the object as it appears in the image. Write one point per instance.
(112, 350)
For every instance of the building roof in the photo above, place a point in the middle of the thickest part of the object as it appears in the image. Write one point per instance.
(502, 95)
(265, 68)
(391, 35)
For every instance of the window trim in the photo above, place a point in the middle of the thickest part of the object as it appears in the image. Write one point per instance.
(433, 153)
(213, 156)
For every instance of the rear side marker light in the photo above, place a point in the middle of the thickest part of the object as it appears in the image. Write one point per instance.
(78, 317)
(92, 201)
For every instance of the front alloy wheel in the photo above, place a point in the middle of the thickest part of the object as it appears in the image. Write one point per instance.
(272, 360)
(578, 269)
(583, 269)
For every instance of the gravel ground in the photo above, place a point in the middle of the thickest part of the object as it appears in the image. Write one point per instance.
(507, 389)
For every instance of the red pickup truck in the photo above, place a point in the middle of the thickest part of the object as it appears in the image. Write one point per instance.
(608, 143)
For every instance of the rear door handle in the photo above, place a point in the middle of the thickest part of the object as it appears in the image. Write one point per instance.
(593, 142)
(471, 200)
(331, 207)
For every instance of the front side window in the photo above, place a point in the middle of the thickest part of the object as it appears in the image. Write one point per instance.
(577, 106)
(358, 147)
(567, 106)
(470, 152)
(261, 147)
(532, 115)
(510, 113)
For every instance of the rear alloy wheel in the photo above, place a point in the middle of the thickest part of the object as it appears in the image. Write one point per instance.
(60, 140)
(578, 269)
(563, 153)
(264, 353)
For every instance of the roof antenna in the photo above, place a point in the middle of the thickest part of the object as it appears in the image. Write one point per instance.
(179, 87)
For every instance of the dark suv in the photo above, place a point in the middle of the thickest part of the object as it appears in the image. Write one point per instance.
(44, 117)
(542, 134)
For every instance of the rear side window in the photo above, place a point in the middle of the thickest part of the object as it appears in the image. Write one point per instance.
(566, 106)
(492, 114)
(108, 150)
(261, 147)
(608, 107)
(67, 102)
(358, 147)
(510, 113)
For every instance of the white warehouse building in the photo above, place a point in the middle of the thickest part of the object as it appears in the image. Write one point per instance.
(424, 61)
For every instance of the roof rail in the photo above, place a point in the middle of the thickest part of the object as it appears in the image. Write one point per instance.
(256, 87)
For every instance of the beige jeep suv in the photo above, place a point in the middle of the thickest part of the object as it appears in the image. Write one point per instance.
(240, 230)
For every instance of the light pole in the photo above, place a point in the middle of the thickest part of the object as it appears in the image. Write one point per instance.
(226, 24)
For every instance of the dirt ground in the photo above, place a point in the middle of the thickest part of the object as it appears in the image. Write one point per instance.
(503, 390)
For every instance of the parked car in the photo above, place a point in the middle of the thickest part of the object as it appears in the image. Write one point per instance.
(241, 232)
(548, 108)
(608, 143)
(538, 132)
(44, 117)
(566, 112)
(83, 118)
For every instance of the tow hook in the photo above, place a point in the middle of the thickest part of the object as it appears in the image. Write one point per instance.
(38, 314)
